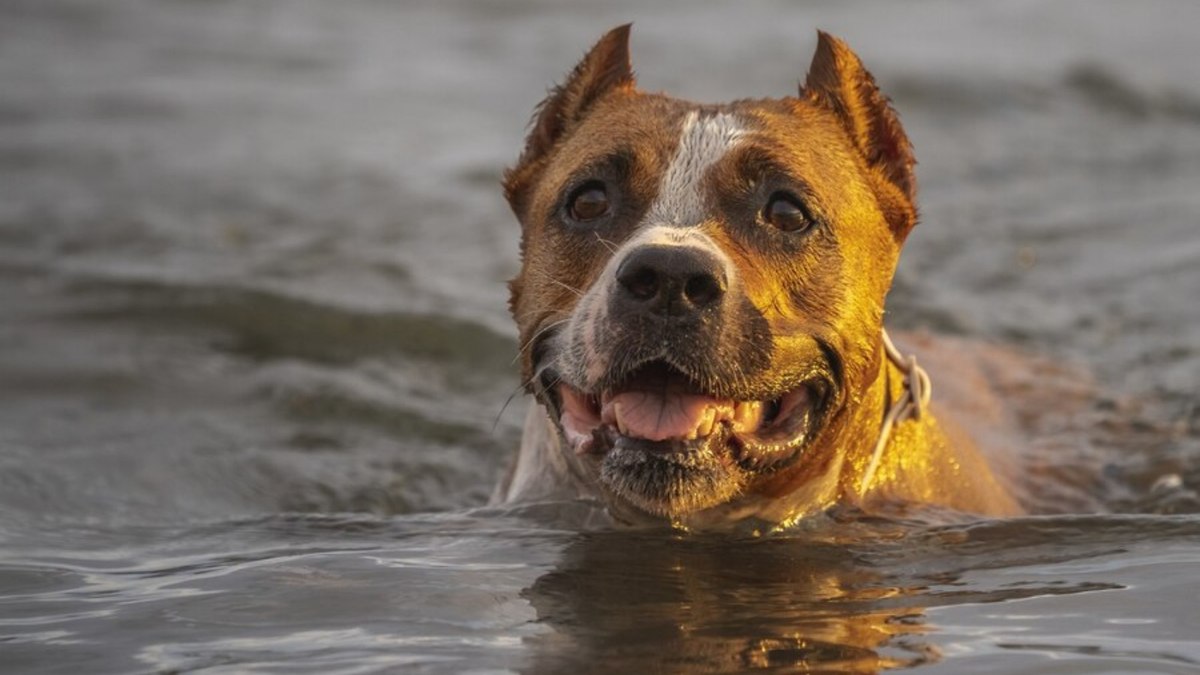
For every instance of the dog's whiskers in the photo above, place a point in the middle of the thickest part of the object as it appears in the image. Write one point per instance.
(528, 343)
(520, 388)
(611, 246)
(570, 288)
(556, 282)
(508, 401)
(775, 301)
(537, 375)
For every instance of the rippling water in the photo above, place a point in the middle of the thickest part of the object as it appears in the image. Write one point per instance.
(255, 366)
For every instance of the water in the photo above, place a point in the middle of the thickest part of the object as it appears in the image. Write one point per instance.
(254, 356)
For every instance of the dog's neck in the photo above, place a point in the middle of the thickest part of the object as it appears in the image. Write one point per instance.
(910, 461)
(865, 443)
(912, 402)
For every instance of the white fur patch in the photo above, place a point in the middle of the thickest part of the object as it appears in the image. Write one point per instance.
(703, 141)
(660, 235)
(670, 221)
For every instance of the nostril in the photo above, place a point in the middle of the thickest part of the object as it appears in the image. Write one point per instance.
(703, 290)
(642, 283)
(670, 280)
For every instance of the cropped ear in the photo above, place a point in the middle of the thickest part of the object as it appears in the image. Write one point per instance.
(838, 80)
(605, 67)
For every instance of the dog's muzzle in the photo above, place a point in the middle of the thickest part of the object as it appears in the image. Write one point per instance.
(665, 377)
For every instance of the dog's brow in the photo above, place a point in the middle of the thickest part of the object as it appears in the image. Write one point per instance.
(703, 140)
(760, 164)
(619, 160)
(759, 159)
(618, 164)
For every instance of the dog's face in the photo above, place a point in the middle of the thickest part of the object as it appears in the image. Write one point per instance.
(702, 286)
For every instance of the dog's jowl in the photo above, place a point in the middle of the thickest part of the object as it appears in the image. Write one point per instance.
(701, 298)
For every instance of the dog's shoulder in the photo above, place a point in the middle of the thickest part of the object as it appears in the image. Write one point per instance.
(1028, 416)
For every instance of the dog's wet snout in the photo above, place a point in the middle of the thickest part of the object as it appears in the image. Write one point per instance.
(671, 280)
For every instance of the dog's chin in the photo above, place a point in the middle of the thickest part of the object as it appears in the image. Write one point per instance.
(667, 448)
(669, 478)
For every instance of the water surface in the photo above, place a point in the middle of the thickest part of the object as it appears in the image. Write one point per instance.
(255, 364)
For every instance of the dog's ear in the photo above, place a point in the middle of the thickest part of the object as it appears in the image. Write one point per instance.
(605, 67)
(838, 80)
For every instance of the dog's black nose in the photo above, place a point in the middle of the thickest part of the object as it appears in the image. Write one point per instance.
(671, 280)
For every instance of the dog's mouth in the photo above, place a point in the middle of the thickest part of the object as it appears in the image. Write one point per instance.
(658, 410)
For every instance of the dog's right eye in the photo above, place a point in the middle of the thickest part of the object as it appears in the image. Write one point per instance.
(588, 202)
(786, 212)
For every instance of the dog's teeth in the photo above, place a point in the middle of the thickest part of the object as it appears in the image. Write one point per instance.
(747, 415)
(707, 420)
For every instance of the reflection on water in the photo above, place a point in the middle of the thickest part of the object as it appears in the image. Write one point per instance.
(527, 591)
(694, 605)
(255, 355)
(849, 595)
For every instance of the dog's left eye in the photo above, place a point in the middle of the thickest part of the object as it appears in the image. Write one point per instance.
(589, 202)
(786, 212)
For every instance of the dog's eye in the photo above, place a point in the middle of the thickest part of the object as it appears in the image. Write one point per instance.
(589, 202)
(786, 212)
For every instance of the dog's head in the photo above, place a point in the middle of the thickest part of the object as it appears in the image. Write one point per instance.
(702, 287)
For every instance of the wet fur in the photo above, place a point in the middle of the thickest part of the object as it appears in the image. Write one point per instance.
(803, 304)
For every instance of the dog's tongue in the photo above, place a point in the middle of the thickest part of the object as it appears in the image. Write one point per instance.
(661, 415)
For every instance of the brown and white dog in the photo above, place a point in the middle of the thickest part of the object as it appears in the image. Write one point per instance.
(701, 303)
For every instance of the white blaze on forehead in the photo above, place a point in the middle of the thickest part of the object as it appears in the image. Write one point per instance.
(670, 221)
(704, 140)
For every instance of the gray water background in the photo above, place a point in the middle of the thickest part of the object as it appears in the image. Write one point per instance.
(255, 358)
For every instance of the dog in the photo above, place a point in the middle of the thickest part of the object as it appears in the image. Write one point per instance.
(700, 305)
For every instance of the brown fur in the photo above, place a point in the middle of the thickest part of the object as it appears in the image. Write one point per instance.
(822, 297)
